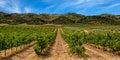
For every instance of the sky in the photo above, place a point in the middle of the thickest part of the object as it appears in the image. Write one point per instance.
(85, 7)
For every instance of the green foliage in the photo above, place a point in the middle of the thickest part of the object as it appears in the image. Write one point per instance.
(38, 50)
(107, 36)
(77, 49)
(13, 36)
(43, 41)
(106, 39)
(74, 41)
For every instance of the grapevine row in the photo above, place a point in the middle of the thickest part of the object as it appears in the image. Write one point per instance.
(14, 36)
(75, 44)
(43, 42)
(109, 40)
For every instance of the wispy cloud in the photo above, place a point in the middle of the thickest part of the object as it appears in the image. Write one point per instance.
(81, 3)
(113, 5)
(28, 10)
(47, 0)
(47, 9)
(59, 6)
(78, 4)
(2, 3)
(10, 6)
(73, 3)
(108, 8)
(15, 6)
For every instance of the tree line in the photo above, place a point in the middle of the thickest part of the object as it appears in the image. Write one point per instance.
(68, 18)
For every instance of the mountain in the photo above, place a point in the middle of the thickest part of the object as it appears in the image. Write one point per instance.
(69, 18)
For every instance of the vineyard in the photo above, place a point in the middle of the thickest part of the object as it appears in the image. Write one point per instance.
(105, 38)
(75, 44)
(15, 36)
(71, 42)
(110, 39)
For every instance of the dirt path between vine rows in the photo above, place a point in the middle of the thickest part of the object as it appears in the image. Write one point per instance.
(59, 50)
(100, 54)
(27, 54)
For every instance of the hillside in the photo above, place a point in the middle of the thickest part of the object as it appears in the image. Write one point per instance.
(69, 18)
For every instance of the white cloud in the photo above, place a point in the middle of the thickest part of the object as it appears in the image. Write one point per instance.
(28, 10)
(2, 3)
(108, 8)
(88, 5)
(47, 9)
(46, 0)
(113, 5)
(72, 3)
(15, 6)
(79, 4)
(88, 0)
(10, 6)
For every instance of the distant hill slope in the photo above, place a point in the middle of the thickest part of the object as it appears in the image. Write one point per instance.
(69, 18)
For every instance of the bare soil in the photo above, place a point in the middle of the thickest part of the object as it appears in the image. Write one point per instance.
(3, 24)
(99, 54)
(28, 54)
(21, 54)
(59, 50)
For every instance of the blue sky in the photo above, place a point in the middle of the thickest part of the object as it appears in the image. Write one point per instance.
(85, 7)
